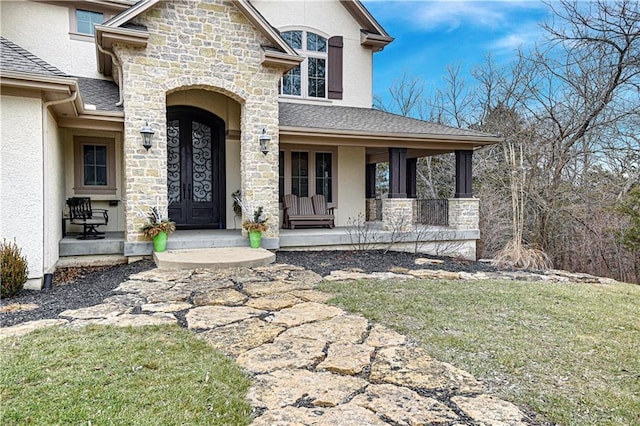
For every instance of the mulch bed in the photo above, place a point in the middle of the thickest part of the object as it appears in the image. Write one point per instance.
(75, 288)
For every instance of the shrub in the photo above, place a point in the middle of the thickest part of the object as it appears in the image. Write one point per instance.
(13, 269)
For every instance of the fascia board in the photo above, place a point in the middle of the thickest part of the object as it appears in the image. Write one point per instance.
(130, 13)
(364, 18)
(261, 24)
(404, 137)
(279, 59)
(38, 82)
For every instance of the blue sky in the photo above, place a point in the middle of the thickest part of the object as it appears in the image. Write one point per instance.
(429, 35)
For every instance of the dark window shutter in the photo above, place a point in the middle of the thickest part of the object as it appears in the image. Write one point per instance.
(335, 67)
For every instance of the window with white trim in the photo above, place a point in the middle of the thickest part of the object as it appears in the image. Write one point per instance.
(309, 79)
(94, 165)
(86, 19)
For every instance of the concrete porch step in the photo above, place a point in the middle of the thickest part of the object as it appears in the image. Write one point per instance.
(213, 258)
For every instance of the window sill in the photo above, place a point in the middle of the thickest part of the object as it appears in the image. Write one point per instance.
(301, 100)
(82, 37)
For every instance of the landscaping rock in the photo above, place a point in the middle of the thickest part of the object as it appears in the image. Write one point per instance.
(225, 296)
(234, 339)
(490, 411)
(129, 320)
(144, 287)
(292, 352)
(166, 307)
(303, 313)
(104, 310)
(404, 406)
(274, 302)
(284, 387)
(261, 288)
(342, 328)
(29, 326)
(382, 336)
(347, 358)
(412, 366)
(214, 316)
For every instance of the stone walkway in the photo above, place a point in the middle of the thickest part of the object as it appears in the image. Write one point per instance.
(312, 364)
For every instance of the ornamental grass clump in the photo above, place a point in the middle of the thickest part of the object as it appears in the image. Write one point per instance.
(255, 218)
(13, 266)
(157, 224)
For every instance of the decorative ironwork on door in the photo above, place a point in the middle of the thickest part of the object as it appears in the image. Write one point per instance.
(201, 163)
(195, 168)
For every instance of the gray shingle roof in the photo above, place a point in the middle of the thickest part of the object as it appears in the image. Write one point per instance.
(365, 120)
(101, 93)
(15, 58)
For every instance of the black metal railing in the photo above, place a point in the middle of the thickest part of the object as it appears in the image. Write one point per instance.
(432, 212)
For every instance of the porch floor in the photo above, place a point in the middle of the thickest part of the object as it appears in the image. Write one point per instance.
(290, 239)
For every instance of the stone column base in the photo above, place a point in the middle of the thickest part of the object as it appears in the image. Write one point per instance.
(397, 214)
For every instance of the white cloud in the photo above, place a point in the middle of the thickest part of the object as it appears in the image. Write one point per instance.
(451, 14)
(524, 36)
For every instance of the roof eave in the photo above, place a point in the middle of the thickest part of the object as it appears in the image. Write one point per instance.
(374, 41)
(364, 17)
(261, 24)
(107, 35)
(477, 141)
(281, 60)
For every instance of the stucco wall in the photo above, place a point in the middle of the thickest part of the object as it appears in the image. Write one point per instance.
(351, 190)
(197, 45)
(21, 173)
(54, 192)
(332, 19)
(43, 29)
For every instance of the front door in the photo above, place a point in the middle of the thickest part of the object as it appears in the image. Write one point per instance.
(195, 168)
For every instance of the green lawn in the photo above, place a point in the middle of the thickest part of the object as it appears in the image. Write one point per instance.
(106, 375)
(569, 351)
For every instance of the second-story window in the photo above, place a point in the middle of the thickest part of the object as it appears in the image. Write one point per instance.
(86, 19)
(308, 79)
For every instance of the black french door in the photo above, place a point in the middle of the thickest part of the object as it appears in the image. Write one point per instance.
(195, 168)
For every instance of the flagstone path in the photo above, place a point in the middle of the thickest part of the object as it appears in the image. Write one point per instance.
(311, 363)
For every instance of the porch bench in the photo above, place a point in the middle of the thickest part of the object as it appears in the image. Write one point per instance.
(307, 211)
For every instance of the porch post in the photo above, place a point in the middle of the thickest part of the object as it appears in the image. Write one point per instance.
(397, 172)
(463, 174)
(370, 181)
(412, 189)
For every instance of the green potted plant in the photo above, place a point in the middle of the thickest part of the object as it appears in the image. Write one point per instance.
(255, 222)
(158, 228)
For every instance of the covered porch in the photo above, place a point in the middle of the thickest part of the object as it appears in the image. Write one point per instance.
(433, 239)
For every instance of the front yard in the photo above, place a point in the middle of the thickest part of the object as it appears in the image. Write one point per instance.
(568, 351)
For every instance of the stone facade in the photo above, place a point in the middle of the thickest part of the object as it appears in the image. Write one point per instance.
(197, 45)
(464, 213)
(397, 214)
(370, 209)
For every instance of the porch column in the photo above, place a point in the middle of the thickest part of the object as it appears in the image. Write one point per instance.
(412, 187)
(397, 172)
(370, 192)
(463, 174)
(370, 181)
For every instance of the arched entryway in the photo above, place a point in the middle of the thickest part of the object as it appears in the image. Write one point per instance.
(195, 168)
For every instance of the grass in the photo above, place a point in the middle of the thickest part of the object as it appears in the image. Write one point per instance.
(106, 375)
(571, 352)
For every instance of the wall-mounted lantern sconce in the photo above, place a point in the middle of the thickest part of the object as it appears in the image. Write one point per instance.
(264, 141)
(147, 133)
